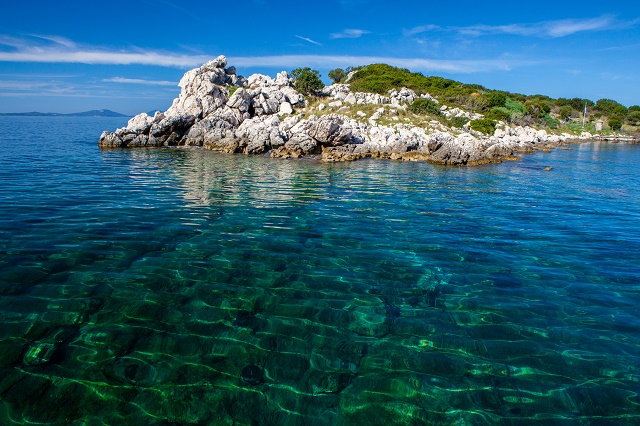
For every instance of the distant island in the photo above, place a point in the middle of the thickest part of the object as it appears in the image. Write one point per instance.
(92, 113)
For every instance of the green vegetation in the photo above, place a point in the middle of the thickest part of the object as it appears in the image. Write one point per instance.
(484, 125)
(458, 122)
(610, 107)
(615, 124)
(495, 99)
(337, 75)
(380, 78)
(576, 104)
(498, 114)
(306, 80)
(513, 108)
(424, 106)
(565, 112)
(633, 117)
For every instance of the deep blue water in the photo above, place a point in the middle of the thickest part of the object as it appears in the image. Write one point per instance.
(181, 286)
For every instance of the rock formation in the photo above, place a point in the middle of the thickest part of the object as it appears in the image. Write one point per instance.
(220, 110)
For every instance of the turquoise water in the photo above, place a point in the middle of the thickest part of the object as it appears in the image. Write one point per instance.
(181, 286)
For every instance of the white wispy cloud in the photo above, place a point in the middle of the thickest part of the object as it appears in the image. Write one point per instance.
(54, 49)
(88, 56)
(350, 33)
(140, 81)
(421, 29)
(56, 53)
(309, 40)
(63, 41)
(414, 64)
(623, 47)
(545, 29)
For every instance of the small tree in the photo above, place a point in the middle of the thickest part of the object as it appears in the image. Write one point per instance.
(565, 112)
(306, 80)
(337, 75)
(615, 124)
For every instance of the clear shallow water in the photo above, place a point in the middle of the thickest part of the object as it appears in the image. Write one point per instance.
(188, 287)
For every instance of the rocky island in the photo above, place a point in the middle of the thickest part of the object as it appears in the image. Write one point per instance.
(222, 111)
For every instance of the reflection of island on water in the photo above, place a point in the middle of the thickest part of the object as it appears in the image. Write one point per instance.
(214, 179)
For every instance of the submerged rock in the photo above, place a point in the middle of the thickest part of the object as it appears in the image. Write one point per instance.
(252, 375)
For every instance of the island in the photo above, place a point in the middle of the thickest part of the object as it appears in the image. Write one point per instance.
(92, 113)
(359, 116)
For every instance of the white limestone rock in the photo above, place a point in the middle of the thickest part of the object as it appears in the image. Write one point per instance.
(285, 108)
(140, 123)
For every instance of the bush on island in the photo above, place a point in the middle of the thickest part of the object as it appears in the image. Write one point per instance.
(615, 124)
(424, 106)
(484, 125)
(565, 112)
(306, 80)
(337, 75)
(633, 117)
(498, 114)
(458, 122)
(609, 107)
(496, 99)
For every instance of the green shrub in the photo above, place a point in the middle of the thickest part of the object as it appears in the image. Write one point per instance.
(458, 122)
(337, 75)
(575, 103)
(496, 99)
(498, 114)
(550, 121)
(380, 78)
(609, 106)
(537, 108)
(515, 106)
(634, 108)
(424, 106)
(634, 117)
(615, 124)
(484, 125)
(565, 112)
(306, 80)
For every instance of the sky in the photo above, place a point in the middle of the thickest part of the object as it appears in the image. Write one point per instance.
(128, 56)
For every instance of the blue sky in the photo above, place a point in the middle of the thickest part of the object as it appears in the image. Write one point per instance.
(129, 55)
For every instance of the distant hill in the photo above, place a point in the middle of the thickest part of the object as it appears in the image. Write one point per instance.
(92, 113)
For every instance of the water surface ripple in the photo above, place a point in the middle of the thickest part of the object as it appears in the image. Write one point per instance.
(180, 286)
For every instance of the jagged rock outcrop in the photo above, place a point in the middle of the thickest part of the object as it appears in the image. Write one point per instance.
(220, 110)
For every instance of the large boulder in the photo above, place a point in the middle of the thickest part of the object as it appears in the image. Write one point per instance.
(298, 146)
(331, 130)
(463, 150)
(260, 134)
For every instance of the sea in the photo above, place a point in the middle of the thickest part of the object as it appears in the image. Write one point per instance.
(178, 286)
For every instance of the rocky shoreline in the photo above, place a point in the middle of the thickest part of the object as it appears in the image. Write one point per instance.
(222, 111)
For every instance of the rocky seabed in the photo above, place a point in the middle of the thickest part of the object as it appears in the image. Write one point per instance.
(222, 111)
